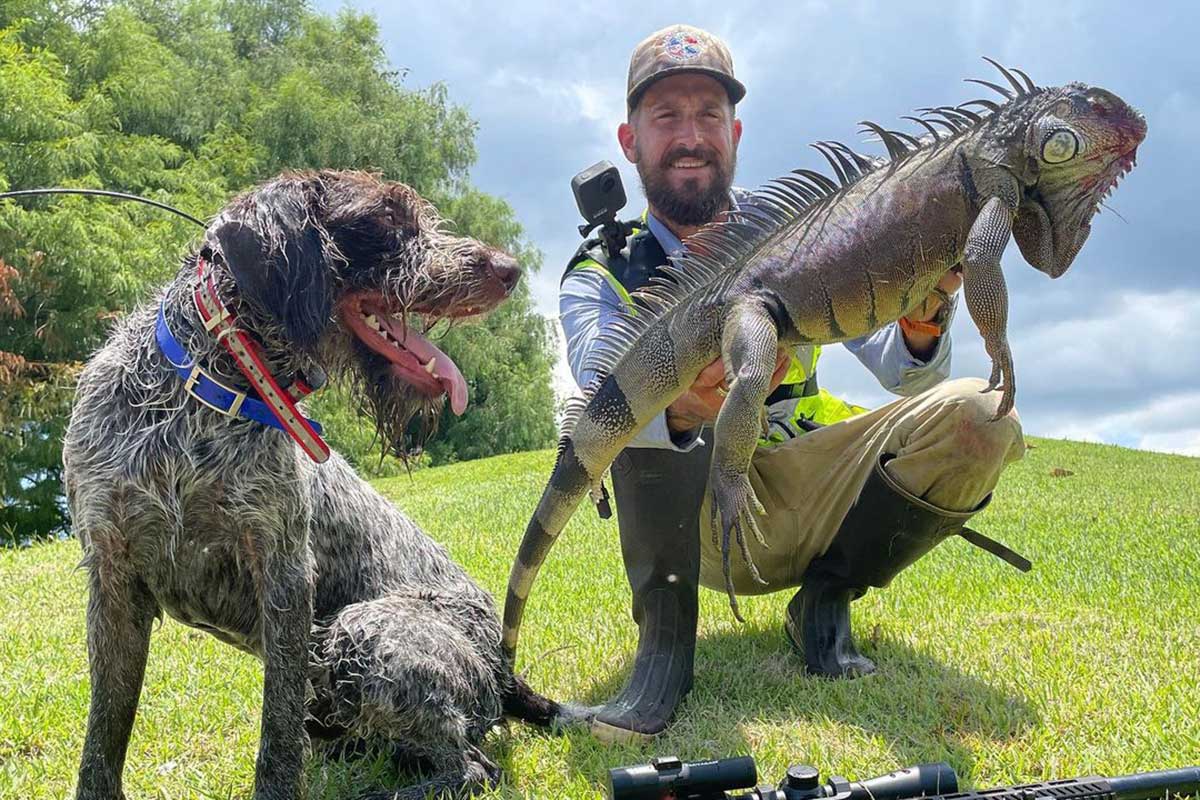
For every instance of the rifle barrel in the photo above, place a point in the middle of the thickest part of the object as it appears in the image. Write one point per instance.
(1160, 783)
(1157, 785)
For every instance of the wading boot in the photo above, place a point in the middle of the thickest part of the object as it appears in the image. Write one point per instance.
(886, 530)
(658, 493)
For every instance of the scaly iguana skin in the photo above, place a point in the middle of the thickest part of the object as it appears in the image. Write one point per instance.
(812, 261)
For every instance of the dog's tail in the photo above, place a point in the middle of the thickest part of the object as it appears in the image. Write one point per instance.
(523, 703)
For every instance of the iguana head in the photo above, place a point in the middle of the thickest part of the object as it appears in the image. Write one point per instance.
(1080, 141)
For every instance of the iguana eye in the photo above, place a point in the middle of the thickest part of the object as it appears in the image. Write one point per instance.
(1059, 146)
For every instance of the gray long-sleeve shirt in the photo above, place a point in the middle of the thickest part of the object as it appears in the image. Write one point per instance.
(588, 305)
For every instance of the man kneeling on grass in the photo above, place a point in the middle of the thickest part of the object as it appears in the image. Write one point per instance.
(852, 496)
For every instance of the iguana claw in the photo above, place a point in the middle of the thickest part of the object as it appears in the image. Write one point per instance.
(734, 506)
(995, 378)
(1002, 376)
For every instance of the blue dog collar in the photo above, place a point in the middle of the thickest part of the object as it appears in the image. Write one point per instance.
(209, 391)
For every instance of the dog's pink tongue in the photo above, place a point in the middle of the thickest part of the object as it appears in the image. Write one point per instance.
(452, 381)
(444, 369)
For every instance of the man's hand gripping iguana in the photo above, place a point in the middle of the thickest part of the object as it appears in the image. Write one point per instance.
(812, 261)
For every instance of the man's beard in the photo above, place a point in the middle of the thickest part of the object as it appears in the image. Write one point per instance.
(689, 205)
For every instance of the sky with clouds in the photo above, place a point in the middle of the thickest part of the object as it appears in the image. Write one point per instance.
(1107, 353)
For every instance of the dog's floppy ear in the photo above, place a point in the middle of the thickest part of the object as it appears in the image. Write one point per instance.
(277, 250)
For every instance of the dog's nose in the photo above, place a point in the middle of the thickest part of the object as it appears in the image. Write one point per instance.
(504, 269)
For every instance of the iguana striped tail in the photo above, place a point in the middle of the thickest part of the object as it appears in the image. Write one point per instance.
(569, 483)
(606, 422)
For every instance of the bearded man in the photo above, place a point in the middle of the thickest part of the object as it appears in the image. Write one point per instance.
(852, 496)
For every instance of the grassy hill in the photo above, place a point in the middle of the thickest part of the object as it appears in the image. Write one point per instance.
(1087, 664)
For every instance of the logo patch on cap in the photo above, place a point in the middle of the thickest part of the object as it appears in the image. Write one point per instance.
(682, 46)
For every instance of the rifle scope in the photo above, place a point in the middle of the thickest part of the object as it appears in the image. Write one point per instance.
(668, 777)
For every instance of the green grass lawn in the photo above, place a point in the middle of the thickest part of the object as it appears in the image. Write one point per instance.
(1088, 664)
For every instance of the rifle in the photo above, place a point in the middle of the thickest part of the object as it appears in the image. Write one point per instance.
(727, 779)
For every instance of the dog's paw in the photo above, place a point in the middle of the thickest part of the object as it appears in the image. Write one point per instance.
(572, 716)
(480, 770)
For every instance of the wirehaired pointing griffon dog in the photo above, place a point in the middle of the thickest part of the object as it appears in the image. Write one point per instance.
(197, 487)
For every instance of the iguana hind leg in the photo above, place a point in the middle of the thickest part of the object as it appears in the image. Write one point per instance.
(748, 347)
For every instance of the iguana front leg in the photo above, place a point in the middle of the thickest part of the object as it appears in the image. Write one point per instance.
(987, 294)
(749, 344)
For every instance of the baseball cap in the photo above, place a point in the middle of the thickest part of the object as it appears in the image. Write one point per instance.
(676, 49)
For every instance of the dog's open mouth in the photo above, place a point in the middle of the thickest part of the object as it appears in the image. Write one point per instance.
(414, 359)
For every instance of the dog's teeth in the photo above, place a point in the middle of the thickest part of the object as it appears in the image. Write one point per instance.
(372, 321)
(429, 366)
(382, 333)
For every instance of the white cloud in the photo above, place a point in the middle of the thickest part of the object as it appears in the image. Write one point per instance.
(1169, 424)
(590, 101)
(1136, 339)
(1129, 374)
(564, 381)
(1185, 442)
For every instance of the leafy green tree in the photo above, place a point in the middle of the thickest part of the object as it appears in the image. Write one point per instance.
(188, 102)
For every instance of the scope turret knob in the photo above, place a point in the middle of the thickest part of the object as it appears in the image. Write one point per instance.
(802, 777)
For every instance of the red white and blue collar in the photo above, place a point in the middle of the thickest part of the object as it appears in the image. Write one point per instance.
(273, 405)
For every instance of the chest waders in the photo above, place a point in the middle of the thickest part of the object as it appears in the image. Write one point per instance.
(659, 494)
(886, 530)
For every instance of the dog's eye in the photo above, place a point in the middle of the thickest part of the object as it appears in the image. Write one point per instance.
(397, 221)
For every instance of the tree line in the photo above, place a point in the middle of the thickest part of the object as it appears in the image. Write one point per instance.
(188, 102)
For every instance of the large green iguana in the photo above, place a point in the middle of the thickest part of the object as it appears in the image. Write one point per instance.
(811, 261)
